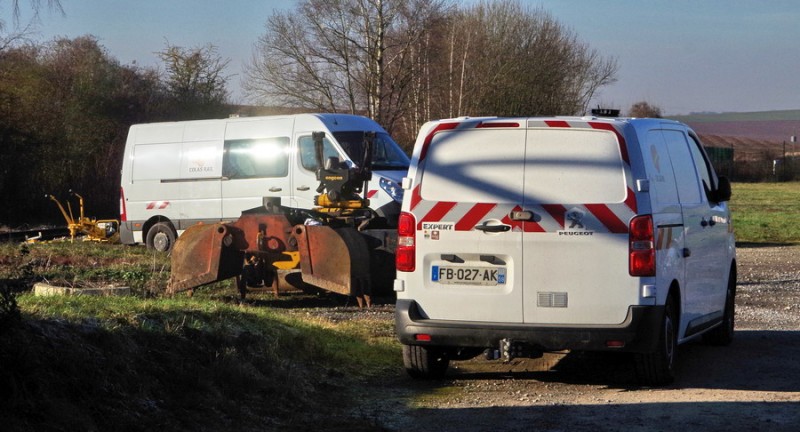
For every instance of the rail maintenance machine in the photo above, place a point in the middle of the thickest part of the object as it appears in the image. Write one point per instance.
(339, 246)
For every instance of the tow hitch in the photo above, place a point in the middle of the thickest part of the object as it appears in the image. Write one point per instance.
(509, 350)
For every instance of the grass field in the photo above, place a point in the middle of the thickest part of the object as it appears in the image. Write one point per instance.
(147, 362)
(766, 212)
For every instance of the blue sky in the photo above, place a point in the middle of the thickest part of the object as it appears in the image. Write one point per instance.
(682, 55)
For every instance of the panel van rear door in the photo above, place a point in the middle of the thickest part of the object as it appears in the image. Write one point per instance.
(470, 254)
(575, 244)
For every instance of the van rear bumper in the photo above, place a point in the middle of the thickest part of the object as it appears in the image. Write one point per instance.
(639, 332)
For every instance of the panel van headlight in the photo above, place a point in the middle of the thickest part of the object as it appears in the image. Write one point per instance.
(392, 188)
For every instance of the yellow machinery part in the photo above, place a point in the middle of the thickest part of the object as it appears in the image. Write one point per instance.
(291, 263)
(325, 202)
(93, 229)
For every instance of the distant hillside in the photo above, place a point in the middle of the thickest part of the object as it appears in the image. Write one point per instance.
(790, 115)
(748, 132)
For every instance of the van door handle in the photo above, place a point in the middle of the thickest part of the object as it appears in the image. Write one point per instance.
(275, 189)
(303, 188)
(493, 228)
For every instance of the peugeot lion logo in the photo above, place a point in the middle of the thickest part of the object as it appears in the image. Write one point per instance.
(575, 215)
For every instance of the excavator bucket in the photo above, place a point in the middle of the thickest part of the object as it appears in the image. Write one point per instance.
(335, 259)
(204, 254)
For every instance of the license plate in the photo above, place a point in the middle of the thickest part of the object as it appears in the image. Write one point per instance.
(469, 275)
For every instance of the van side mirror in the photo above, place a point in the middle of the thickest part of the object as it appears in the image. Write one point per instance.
(723, 192)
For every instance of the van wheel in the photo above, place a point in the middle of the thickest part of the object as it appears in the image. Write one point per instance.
(425, 362)
(723, 334)
(160, 237)
(658, 367)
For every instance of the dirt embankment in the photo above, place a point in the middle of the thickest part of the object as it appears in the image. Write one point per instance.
(752, 385)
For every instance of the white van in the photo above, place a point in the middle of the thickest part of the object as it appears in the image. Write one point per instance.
(519, 236)
(175, 175)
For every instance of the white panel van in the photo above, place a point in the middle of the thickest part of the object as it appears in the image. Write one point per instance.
(178, 174)
(519, 236)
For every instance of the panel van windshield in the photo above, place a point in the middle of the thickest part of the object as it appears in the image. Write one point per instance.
(386, 154)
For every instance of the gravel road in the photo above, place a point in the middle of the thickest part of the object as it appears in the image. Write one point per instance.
(752, 385)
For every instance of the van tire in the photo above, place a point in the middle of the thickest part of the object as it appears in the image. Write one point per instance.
(424, 362)
(160, 237)
(722, 335)
(657, 368)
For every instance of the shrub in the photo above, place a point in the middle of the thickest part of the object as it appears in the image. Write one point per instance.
(9, 311)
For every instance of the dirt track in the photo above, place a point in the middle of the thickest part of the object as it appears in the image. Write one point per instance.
(752, 385)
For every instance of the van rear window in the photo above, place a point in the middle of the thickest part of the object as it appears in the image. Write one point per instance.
(545, 166)
(475, 166)
(573, 166)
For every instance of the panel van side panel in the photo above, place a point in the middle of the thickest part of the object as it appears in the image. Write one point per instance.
(666, 211)
(693, 209)
(201, 172)
(706, 260)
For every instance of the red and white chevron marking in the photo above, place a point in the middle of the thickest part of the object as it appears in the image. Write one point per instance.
(157, 205)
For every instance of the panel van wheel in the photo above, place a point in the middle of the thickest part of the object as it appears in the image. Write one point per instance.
(658, 367)
(160, 237)
(425, 362)
(723, 334)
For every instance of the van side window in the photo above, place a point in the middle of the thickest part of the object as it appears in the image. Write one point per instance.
(308, 157)
(255, 158)
(683, 166)
(386, 154)
(703, 166)
(657, 160)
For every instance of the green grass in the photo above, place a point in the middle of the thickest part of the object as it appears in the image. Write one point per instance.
(148, 362)
(766, 212)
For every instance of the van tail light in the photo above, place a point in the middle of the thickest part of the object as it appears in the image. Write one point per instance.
(642, 250)
(406, 252)
(123, 214)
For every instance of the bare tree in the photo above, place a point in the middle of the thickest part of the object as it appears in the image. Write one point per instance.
(501, 58)
(20, 35)
(195, 79)
(522, 61)
(644, 109)
(36, 5)
(341, 56)
(405, 62)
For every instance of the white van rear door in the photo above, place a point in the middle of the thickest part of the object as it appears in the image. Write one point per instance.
(469, 256)
(575, 242)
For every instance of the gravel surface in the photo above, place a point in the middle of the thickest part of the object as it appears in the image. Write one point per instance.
(752, 385)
